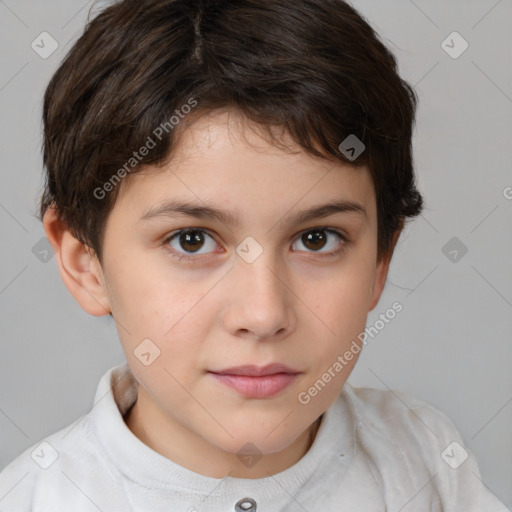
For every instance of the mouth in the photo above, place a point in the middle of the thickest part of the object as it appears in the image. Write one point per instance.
(255, 381)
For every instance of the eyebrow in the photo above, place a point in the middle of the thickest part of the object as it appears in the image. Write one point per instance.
(205, 212)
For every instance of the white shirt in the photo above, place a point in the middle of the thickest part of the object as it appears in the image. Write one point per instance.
(372, 453)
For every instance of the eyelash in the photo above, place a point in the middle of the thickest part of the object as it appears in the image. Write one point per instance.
(181, 256)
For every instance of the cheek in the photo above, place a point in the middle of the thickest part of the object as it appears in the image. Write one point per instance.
(170, 325)
(341, 308)
(168, 312)
(343, 300)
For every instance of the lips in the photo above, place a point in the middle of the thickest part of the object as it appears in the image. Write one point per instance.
(257, 381)
(258, 371)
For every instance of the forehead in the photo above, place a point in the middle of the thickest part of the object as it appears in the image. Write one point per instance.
(225, 160)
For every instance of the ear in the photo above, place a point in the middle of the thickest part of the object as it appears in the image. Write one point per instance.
(381, 271)
(78, 266)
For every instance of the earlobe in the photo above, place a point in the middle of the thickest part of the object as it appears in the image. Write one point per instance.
(78, 267)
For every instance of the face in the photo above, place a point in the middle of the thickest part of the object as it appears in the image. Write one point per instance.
(213, 261)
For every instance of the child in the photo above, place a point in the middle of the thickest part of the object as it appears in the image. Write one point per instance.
(228, 180)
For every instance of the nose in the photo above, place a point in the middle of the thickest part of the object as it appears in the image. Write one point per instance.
(261, 300)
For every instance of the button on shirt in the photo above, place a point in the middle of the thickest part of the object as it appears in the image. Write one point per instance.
(371, 453)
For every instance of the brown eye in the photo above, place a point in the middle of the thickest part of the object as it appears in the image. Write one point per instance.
(191, 240)
(314, 240)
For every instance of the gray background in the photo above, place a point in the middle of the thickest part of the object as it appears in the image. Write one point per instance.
(451, 344)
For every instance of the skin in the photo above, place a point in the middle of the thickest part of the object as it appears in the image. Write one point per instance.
(294, 304)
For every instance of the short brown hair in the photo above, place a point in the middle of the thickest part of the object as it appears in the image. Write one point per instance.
(313, 67)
